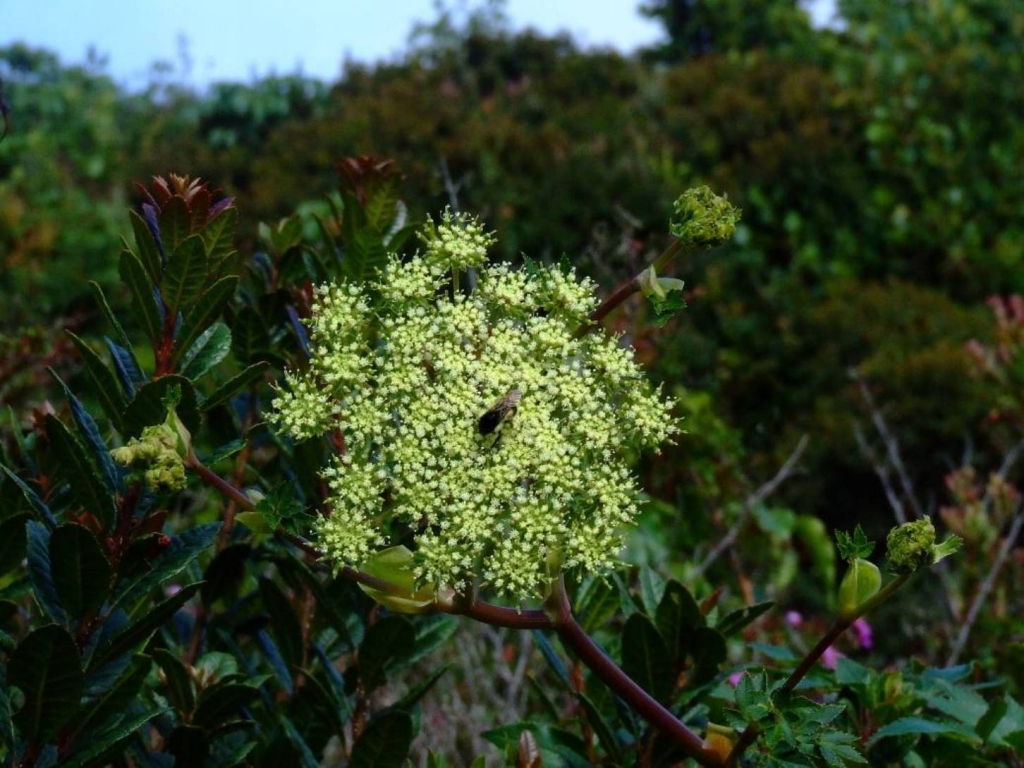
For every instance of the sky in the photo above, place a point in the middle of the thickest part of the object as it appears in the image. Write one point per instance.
(244, 39)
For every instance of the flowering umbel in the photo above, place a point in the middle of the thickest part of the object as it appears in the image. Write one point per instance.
(405, 367)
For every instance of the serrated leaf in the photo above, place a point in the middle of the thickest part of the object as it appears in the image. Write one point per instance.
(147, 407)
(90, 433)
(208, 308)
(108, 313)
(87, 487)
(385, 743)
(37, 504)
(128, 373)
(738, 619)
(677, 617)
(46, 668)
(228, 389)
(646, 658)
(380, 208)
(148, 253)
(182, 551)
(140, 630)
(708, 653)
(134, 276)
(106, 743)
(81, 572)
(218, 235)
(365, 254)
(175, 223)
(185, 275)
(103, 382)
(116, 699)
(210, 348)
(179, 685)
(40, 573)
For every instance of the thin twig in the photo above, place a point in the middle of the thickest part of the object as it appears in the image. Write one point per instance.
(986, 586)
(758, 496)
(882, 471)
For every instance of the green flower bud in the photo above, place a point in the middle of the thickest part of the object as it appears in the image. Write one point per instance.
(703, 219)
(910, 546)
(861, 582)
(395, 565)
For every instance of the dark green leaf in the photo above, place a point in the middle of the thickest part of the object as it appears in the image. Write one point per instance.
(134, 276)
(140, 631)
(81, 572)
(919, 726)
(148, 254)
(222, 702)
(219, 235)
(380, 208)
(645, 657)
(305, 753)
(45, 667)
(227, 390)
(387, 642)
(335, 682)
(652, 586)
(431, 633)
(169, 563)
(210, 348)
(596, 603)
(6, 724)
(249, 335)
(988, 721)
(417, 692)
(189, 745)
(284, 623)
(103, 382)
(185, 274)
(207, 309)
(116, 699)
(364, 254)
(40, 572)
(77, 467)
(385, 743)
(104, 744)
(740, 618)
(552, 658)
(276, 661)
(90, 433)
(601, 729)
(708, 653)
(147, 408)
(175, 223)
(45, 515)
(224, 572)
(12, 542)
(179, 684)
(108, 313)
(677, 617)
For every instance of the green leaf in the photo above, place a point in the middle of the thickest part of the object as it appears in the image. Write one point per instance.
(431, 633)
(221, 702)
(708, 653)
(148, 254)
(395, 566)
(855, 545)
(596, 602)
(385, 743)
(305, 753)
(13, 543)
(103, 382)
(646, 658)
(417, 692)
(81, 572)
(189, 745)
(601, 729)
(185, 274)
(180, 691)
(283, 622)
(37, 504)
(177, 556)
(115, 700)
(106, 743)
(139, 631)
(677, 617)
(210, 348)
(175, 223)
(77, 467)
(147, 407)
(228, 389)
(219, 235)
(108, 313)
(134, 276)
(387, 642)
(45, 667)
(652, 586)
(365, 254)
(40, 573)
(208, 308)
(738, 619)
(6, 724)
(919, 726)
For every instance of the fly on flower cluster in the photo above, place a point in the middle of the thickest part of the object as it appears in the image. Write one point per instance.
(504, 409)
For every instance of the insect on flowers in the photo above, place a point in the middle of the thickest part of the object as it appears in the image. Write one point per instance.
(504, 409)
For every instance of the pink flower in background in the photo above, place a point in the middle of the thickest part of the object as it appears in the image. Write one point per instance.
(734, 678)
(865, 637)
(830, 657)
(794, 618)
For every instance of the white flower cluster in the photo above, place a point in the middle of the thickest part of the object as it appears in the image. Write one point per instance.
(550, 486)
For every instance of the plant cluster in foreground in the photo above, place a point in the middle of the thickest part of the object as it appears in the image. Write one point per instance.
(405, 366)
